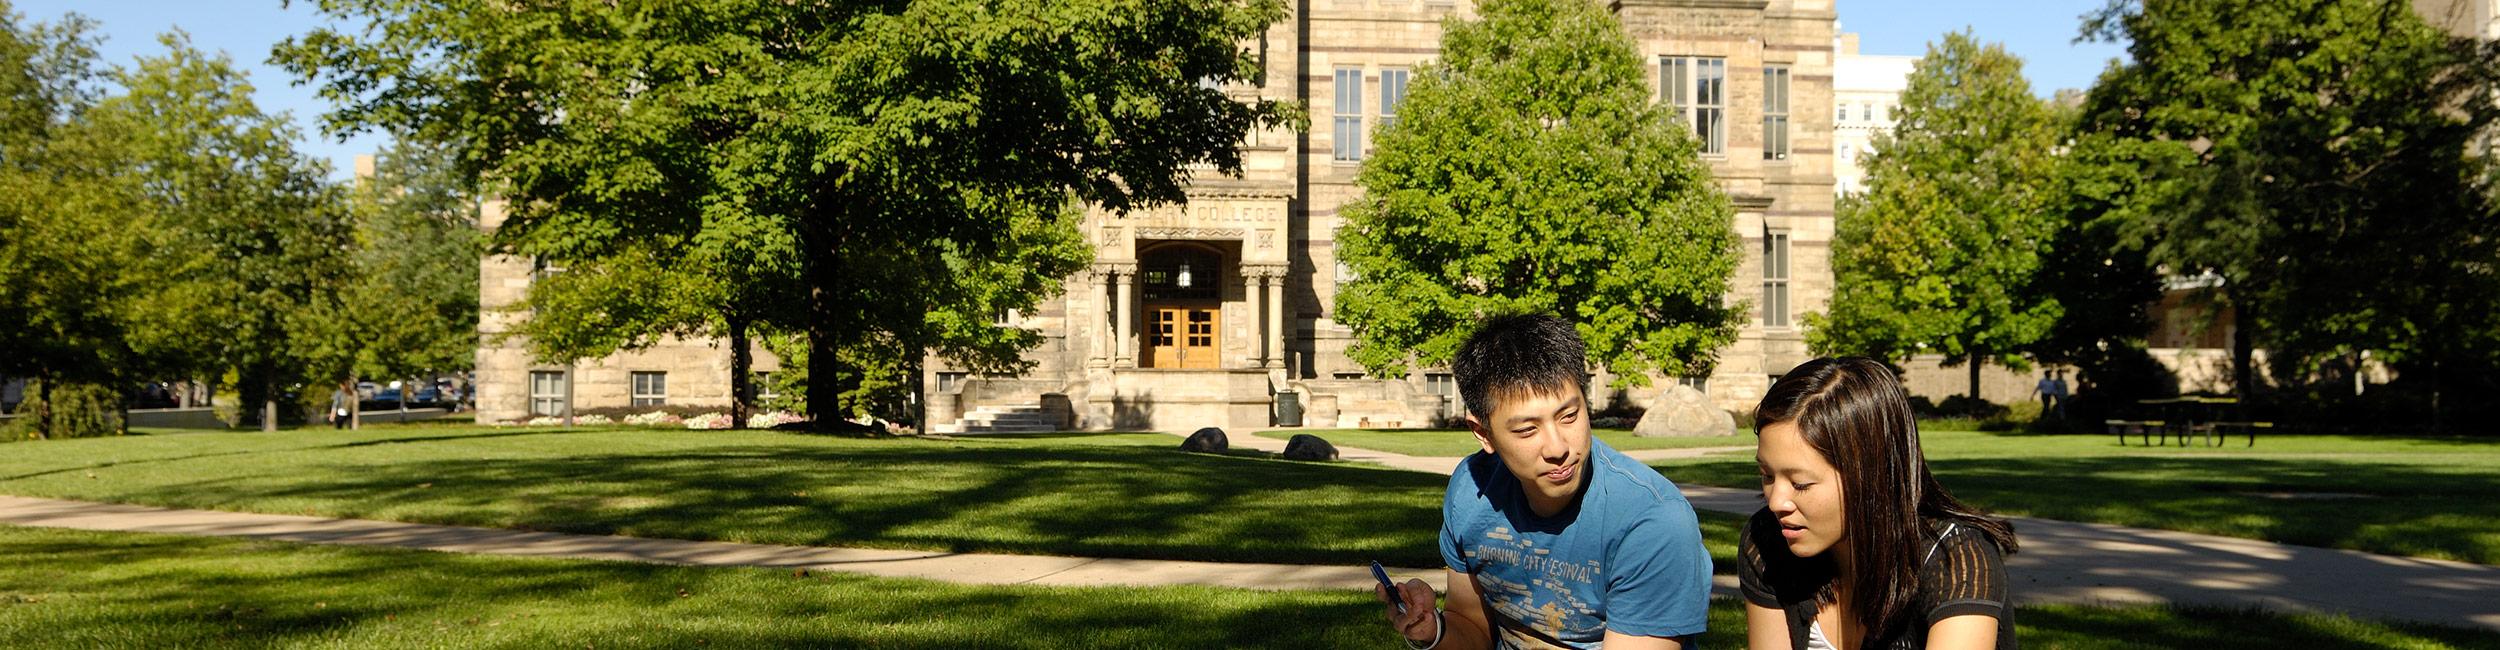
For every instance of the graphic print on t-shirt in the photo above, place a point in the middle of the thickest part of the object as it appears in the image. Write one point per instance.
(1536, 600)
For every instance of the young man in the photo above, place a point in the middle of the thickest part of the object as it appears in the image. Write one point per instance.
(1553, 539)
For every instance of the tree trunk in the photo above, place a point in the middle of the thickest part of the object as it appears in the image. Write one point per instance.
(920, 394)
(355, 406)
(121, 407)
(823, 368)
(1974, 379)
(43, 413)
(741, 380)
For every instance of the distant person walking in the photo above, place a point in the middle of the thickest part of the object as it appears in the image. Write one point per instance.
(2057, 394)
(338, 407)
(2047, 390)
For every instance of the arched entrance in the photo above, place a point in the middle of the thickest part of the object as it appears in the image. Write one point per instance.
(1183, 305)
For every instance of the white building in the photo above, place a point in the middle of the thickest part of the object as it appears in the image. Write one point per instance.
(1866, 99)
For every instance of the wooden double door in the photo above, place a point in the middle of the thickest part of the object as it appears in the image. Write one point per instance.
(1183, 335)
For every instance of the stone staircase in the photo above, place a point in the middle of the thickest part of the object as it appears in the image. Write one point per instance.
(1020, 418)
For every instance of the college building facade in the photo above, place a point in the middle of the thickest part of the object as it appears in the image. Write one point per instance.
(1220, 311)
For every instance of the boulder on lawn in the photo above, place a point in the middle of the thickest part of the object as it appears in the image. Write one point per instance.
(1209, 440)
(1682, 412)
(1304, 446)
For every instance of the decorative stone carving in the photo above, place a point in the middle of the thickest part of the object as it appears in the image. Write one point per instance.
(1189, 233)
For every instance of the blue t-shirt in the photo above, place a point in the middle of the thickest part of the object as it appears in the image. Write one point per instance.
(1626, 556)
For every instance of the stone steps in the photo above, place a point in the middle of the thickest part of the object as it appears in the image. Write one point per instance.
(1001, 419)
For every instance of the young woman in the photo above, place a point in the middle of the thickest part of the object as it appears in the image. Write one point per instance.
(1857, 546)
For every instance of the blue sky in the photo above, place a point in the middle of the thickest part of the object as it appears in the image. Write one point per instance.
(2039, 31)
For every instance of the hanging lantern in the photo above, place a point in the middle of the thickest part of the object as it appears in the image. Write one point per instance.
(1184, 279)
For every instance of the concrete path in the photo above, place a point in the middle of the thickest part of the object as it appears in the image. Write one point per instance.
(2060, 562)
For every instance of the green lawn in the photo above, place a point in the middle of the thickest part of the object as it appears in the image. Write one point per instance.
(1113, 495)
(1458, 442)
(1108, 495)
(2425, 497)
(78, 589)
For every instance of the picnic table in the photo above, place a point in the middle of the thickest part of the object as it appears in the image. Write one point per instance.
(2210, 420)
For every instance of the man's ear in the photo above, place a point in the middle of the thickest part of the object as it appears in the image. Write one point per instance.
(1484, 438)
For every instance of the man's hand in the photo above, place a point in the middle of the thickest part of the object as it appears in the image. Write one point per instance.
(1417, 624)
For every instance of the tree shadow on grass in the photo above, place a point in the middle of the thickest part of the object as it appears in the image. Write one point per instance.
(77, 588)
(2382, 507)
(1110, 501)
(2215, 628)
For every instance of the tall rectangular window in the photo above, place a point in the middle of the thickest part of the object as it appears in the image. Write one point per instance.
(1697, 87)
(1775, 279)
(1348, 143)
(1392, 93)
(650, 388)
(1440, 383)
(547, 392)
(1775, 113)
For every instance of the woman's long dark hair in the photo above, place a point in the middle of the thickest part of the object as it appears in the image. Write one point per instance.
(1854, 412)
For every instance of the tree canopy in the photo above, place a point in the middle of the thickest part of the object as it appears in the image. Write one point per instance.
(2320, 158)
(859, 134)
(1528, 171)
(1944, 251)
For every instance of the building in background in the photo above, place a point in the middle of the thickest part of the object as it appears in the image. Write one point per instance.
(1866, 97)
(514, 387)
(1220, 312)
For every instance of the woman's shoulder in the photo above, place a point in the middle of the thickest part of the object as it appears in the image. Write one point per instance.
(1958, 553)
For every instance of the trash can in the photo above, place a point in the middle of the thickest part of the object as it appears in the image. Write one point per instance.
(1288, 409)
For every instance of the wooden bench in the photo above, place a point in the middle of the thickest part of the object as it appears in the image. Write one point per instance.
(2144, 428)
(2223, 430)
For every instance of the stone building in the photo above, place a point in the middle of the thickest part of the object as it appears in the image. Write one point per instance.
(513, 387)
(1214, 312)
(1866, 100)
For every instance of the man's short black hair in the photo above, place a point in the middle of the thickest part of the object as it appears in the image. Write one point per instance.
(1517, 355)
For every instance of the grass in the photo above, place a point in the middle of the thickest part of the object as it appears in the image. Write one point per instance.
(1112, 495)
(1458, 442)
(1105, 495)
(2422, 497)
(79, 589)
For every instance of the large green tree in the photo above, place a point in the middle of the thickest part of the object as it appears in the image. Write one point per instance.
(2317, 156)
(872, 137)
(83, 266)
(63, 253)
(1529, 171)
(405, 305)
(1943, 253)
(224, 181)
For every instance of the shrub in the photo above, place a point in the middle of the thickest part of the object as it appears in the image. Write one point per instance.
(78, 411)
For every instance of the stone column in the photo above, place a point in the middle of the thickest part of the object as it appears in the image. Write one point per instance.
(1100, 352)
(1275, 283)
(1125, 322)
(1252, 278)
